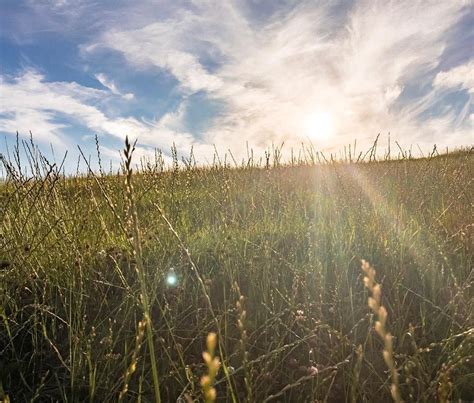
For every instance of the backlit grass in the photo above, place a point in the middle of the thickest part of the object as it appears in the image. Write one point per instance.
(266, 257)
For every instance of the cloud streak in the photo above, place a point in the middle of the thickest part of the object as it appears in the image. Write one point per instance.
(326, 72)
(37, 105)
(458, 77)
(107, 83)
(349, 66)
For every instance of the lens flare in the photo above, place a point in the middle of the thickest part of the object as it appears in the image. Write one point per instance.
(319, 125)
(171, 278)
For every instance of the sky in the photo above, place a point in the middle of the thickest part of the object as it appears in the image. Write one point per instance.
(213, 74)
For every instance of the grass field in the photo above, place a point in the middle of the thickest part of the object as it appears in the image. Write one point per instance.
(110, 284)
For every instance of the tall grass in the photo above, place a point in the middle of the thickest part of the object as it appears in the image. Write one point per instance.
(266, 255)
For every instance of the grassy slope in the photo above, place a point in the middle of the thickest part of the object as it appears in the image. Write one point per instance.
(289, 239)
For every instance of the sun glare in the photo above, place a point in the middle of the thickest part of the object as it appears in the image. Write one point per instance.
(319, 126)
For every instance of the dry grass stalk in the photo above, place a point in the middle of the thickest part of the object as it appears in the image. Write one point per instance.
(140, 269)
(240, 305)
(213, 364)
(133, 363)
(380, 326)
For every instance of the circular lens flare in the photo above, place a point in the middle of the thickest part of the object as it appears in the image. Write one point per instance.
(171, 278)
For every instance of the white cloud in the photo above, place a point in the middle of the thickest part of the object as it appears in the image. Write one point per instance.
(160, 44)
(458, 77)
(35, 104)
(107, 83)
(310, 69)
(29, 103)
(310, 62)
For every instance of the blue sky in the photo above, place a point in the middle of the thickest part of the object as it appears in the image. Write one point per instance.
(228, 73)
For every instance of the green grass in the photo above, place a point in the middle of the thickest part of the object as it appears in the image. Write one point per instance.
(85, 259)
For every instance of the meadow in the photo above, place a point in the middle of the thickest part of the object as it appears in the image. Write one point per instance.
(111, 283)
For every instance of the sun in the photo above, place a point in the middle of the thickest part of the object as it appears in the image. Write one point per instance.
(319, 125)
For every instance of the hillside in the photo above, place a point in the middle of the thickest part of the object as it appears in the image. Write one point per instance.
(269, 258)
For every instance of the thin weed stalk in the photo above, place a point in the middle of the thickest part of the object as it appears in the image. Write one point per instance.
(137, 252)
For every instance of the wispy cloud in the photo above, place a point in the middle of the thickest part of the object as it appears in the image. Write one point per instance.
(458, 77)
(107, 83)
(169, 52)
(346, 68)
(328, 72)
(47, 108)
(34, 104)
